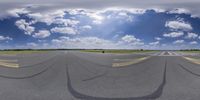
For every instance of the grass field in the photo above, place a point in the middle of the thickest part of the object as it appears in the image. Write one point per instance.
(119, 51)
(187, 51)
(21, 52)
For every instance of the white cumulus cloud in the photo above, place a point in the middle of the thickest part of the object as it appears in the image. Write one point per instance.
(65, 22)
(42, 34)
(86, 27)
(179, 11)
(154, 43)
(178, 41)
(130, 38)
(83, 42)
(191, 36)
(178, 25)
(64, 30)
(47, 17)
(158, 38)
(17, 11)
(2, 38)
(173, 34)
(194, 42)
(25, 26)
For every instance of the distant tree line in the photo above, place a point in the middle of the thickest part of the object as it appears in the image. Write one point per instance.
(190, 50)
(63, 49)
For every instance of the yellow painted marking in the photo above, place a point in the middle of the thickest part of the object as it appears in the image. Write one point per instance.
(8, 60)
(9, 63)
(133, 61)
(7, 54)
(196, 61)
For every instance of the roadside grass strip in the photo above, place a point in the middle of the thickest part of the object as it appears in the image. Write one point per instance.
(130, 62)
(9, 63)
(193, 60)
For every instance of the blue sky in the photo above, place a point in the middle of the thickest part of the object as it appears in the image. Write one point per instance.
(104, 28)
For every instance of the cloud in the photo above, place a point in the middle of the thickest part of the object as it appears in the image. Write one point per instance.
(47, 17)
(65, 30)
(121, 15)
(2, 38)
(130, 41)
(154, 43)
(194, 42)
(173, 34)
(94, 43)
(191, 5)
(158, 38)
(83, 42)
(179, 11)
(130, 38)
(17, 11)
(178, 42)
(42, 34)
(86, 27)
(97, 18)
(25, 26)
(125, 10)
(191, 36)
(178, 25)
(65, 22)
(32, 44)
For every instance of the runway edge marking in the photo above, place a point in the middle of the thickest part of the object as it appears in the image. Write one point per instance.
(193, 60)
(9, 63)
(134, 61)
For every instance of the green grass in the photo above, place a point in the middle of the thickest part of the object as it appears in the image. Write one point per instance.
(21, 52)
(118, 51)
(187, 51)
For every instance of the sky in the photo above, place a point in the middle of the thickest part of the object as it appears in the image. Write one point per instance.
(99, 24)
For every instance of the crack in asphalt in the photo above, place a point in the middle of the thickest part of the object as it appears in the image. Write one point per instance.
(187, 70)
(156, 94)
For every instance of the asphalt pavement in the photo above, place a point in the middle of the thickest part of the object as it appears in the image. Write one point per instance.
(73, 75)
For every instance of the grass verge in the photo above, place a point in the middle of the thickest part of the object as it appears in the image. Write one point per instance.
(187, 51)
(21, 52)
(119, 51)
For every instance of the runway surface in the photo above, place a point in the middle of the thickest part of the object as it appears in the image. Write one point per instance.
(73, 75)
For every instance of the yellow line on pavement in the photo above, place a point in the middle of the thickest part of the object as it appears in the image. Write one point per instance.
(7, 55)
(196, 61)
(133, 61)
(8, 60)
(9, 63)
(12, 65)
